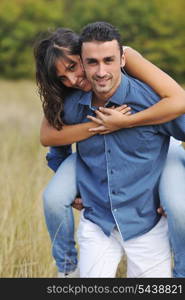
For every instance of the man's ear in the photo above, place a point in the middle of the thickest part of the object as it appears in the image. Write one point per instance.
(122, 60)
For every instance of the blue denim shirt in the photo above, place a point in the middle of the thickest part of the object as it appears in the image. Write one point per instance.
(118, 173)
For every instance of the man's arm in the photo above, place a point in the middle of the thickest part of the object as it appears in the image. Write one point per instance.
(175, 128)
(57, 155)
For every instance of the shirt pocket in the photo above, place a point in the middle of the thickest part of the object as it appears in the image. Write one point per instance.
(91, 147)
(135, 140)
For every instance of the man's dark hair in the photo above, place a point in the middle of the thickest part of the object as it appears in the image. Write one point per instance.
(102, 32)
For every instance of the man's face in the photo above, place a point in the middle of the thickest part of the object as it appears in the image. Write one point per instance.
(102, 62)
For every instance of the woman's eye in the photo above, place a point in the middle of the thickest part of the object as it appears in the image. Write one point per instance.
(72, 67)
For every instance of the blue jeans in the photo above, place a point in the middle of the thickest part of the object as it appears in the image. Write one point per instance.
(58, 196)
(172, 195)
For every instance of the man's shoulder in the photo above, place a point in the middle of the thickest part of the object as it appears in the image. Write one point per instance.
(72, 100)
(139, 89)
(72, 107)
(139, 85)
(74, 96)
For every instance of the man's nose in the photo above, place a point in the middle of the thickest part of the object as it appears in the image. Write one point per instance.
(101, 71)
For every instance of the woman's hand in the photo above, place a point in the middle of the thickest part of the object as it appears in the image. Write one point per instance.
(110, 119)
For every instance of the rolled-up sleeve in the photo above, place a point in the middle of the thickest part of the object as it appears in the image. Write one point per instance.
(175, 128)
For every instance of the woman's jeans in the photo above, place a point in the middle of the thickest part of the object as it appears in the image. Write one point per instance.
(61, 192)
(172, 195)
(58, 196)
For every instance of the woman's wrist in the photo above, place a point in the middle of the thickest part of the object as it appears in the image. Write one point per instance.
(128, 121)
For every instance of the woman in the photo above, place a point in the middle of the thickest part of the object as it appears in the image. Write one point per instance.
(58, 72)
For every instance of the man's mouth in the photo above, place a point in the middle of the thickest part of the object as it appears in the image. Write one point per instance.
(102, 81)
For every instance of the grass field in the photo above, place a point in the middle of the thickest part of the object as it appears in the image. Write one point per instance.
(25, 244)
(25, 248)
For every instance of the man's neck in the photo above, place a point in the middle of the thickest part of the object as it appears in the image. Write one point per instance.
(99, 99)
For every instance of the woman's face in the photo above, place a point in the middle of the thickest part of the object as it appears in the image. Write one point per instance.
(71, 73)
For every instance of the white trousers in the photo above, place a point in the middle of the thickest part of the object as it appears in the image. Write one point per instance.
(148, 256)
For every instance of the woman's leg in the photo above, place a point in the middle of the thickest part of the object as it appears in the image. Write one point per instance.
(172, 195)
(58, 196)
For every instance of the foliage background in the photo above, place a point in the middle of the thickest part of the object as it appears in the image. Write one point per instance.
(156, 28)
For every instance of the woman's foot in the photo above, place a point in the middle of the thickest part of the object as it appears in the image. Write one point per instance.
(73, 274)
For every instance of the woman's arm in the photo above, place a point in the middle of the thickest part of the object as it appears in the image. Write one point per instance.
(69, 134)
(172, 103)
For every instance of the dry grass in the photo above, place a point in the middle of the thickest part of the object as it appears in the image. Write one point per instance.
(25, 247)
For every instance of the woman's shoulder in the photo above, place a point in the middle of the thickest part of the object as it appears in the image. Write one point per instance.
(125, 48)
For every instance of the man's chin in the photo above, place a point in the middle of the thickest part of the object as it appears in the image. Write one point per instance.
(102, 90)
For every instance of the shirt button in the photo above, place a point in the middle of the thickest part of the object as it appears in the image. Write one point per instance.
(114, 192)
(109, 151)
(112, 172)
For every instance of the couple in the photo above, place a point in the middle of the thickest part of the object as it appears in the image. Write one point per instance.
(117, 173)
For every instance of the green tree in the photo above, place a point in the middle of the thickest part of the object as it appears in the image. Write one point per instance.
(20, 24)
(156, 28)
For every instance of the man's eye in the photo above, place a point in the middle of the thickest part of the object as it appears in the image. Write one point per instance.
(91, 62)
(109, 60)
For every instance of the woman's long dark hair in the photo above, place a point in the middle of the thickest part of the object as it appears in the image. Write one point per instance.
(51, 90)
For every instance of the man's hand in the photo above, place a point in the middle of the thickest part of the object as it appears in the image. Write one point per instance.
(78, 204)
(110, 119)
(161, 211)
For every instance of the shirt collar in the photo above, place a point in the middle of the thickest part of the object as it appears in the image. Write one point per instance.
(117, 98)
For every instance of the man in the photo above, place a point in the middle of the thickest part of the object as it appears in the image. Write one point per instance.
(118, 173)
